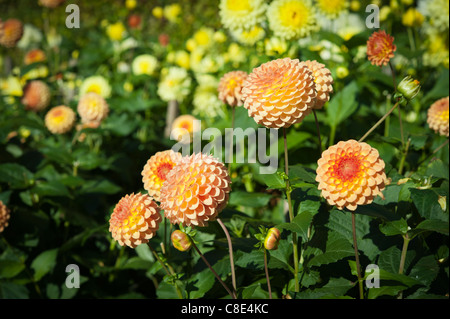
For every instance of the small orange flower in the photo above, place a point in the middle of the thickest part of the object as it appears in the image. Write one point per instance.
(350, 174)
(50, 3)
(380, 48)
(4, 216)
(156, 169)
(230, 87)
(323, 80)
(33, 56)
(279, 93)
(183, 125)
(92, 107)
(135, 220)
(195, 191)
(60, 119)
(12, 33)
(437, 117)
(36, 96)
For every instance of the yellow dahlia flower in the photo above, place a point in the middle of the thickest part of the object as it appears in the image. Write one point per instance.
(92, 107)
(437, 117)
(250, 36)
(144, 64)
(380, 48)
(60, 119)
(195, 190)
(12, 32)
(172, 12)
(279, 93)
(183, 125)
(241, 14)
(350, 174)
(155, 171)
(332, 8)
(292, 19)
(135, 220)
(4, 216)
(175, 84)
(97, 84)
(36, 96)
(230, 87)
(323, 81)
(116, 31)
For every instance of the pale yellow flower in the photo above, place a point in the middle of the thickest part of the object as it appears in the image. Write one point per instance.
(115, 31)
(144, 64)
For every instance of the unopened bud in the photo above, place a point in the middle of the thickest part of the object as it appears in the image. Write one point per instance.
(408, 88)
(272, 239)
(181, 241)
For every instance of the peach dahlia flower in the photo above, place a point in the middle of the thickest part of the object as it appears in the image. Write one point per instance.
(135, 220)
(437, 116)
(11, 33)
(350, 174)
(380, 48)
(279, 93)
(156, 169)
(92, 107)
(4, 216)
(230, 87)
(60, 119)
(195, 191)
(323, 80)
(36, 96)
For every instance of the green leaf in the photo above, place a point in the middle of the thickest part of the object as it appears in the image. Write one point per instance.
(396, 227)
(298, 173)
(254, 292)
(342, 105)
(10, 290)
(44, 263)
(249, 199)
(52, 188)
(17, 176)
(433, 225)
(100, 186)
(252, 260)
(427, 203)
(337, 248)
(300, 224)
(425, 270)
(10, 268)
(274, 181)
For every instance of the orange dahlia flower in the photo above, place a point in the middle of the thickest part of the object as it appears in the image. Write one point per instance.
(183, 125)
(323, 80)
(230, 87)
(12, 33)
(279, 93)
(92, 107)
(350, 174)
(4, 216)
(50, 3)
(156, 169)
(437, 117)
(33, 56)
(380, 48)
(195, 191)
(135, 220)
(36, 96)
(60, 119)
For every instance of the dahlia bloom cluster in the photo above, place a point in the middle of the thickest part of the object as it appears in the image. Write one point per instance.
(283, 92)
(191, 190)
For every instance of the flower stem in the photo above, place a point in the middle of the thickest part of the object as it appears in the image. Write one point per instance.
(267, 273)
(168, 272)
(318, 131)
(358, 266)
(404, 153)
(232, 294)
(406, 241)
(291, 213)
(230, 249)
(399, 109)
(230, 159)
(379, 122)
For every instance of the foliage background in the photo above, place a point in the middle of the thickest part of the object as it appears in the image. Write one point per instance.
(61, 193)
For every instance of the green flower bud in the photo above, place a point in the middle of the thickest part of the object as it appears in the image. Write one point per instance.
(181, 241)
(272, 239)
(408, 88)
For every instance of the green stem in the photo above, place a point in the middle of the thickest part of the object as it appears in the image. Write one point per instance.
(168, 272)
(231, 146)
(406, 241)
(332, 135)
(266, 268)
(291, 213)
(404, 153)
(230, 250)
(399, 109)
(358, 266)
(379, 122)
(318, 130)
(232, 294)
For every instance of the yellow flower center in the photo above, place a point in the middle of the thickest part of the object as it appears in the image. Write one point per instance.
(96, 88)
(239, 5)
(58, 116)
(294, 14)
(331, 6)
(444, 116)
